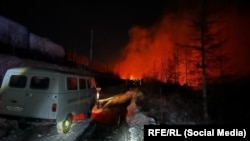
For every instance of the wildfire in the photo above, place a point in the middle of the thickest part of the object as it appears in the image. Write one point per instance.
(149, 52)
(132, 77)
(152, 52)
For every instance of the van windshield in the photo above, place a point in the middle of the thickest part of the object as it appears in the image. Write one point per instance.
(39, 82)
(18, 81)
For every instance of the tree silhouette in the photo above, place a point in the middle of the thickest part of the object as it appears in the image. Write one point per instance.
(204, 46)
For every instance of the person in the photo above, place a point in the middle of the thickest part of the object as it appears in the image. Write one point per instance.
(136, 116)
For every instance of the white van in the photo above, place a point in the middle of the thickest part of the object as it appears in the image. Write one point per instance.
(46, 95)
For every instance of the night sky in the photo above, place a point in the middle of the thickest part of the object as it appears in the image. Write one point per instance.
(69, 23)
(121, 29)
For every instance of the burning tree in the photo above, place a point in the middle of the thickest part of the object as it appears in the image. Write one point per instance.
(204, 47)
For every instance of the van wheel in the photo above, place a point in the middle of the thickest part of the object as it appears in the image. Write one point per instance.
(64, 126)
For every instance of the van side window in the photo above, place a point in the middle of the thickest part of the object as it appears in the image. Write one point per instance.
(72, 83)
(39, 82)
(18, 81)
(83, 83)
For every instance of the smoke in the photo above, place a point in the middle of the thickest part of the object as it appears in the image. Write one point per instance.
(237, 46)
(151, 51)
(148, 47)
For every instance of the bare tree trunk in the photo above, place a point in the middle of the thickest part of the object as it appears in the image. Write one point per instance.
(221, 60)
(203, 63)
(186, 57)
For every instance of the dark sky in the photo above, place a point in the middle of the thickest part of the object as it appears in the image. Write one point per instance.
(69, 23)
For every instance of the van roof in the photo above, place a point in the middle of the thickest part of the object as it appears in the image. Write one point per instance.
(37, 69)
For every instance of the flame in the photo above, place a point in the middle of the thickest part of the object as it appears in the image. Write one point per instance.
(132, 77)
(152, 51)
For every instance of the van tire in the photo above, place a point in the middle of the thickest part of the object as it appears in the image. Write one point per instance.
(64, 126)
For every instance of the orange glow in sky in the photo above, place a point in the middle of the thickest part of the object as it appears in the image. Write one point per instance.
(152, 51)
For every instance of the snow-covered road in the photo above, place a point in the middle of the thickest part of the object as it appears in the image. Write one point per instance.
(107, 122)
(103, 118)
(41, 132)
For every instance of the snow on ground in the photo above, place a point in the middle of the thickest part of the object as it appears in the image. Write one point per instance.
(135, 118)
(52, 135)
(40, 132)
(109, 115)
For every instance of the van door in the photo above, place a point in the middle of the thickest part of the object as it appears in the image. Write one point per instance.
(83, 107)
(71, 98)
(92, 90)
(14, 96)
(38, 97)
